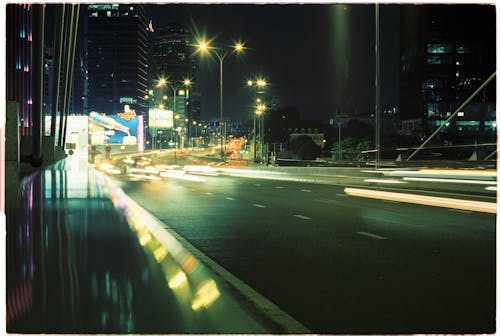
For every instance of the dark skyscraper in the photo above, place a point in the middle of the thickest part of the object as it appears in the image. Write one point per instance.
(117, 58)
(447, 52)
(171, 59)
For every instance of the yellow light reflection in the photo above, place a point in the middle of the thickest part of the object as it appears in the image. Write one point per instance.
(178, 280)
(160, 253)
(444, 202)
(144, 239)
(206, 295)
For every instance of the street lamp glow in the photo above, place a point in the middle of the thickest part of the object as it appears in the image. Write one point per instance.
(203, 46)
(249, 82)
(187, 82)
(238, 47)
(161, 82)
(261, 83)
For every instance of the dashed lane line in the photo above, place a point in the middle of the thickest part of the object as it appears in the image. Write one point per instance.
(371, 235)
(230, 198)
(279, 187)
(306, 190)
(302, 217)
(259, 205)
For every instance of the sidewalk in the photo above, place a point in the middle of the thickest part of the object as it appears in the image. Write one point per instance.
(84, 258)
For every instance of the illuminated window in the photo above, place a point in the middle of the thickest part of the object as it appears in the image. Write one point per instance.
(108, 13)
(439, 48)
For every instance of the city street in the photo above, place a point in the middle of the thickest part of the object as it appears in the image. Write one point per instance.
(338, 263)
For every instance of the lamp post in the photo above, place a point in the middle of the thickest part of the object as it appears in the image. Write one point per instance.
(259, 85)
(339, 124)
(204, 46)
(174, 87)
(260, 108)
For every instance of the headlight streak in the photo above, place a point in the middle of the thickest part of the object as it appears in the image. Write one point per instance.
(181, 175)
(384, 181)
(445, 173)
(444, 180)
(452, 203)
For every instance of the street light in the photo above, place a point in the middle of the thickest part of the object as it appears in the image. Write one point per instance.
(259, 84)
(174, 87)
(204, 47)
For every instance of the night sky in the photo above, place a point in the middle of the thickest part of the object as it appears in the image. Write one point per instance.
(302, 50)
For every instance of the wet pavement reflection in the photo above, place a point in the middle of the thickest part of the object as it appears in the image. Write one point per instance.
(83, 258)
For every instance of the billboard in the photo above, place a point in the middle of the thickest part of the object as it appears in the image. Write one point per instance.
(120, 128)
(160, 119)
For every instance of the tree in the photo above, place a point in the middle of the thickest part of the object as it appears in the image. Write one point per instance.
(352, 149)
(302, 148)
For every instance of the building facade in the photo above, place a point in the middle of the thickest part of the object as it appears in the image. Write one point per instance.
(18, 62)
(117, 62)
(447, 52)
(172, 63)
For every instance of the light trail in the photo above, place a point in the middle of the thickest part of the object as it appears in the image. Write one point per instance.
(444, 202)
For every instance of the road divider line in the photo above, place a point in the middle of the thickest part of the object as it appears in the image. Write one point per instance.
(259, 205)
(279, 187)
(341, 195)
(306, 190)
(371, 235)
(444, 202)
(230, 198)
(208, 193)
(302, 217)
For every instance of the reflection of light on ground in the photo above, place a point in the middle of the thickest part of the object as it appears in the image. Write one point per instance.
(206, 294)
(178, 280)
(144, 239)
(160, 253)
(453, 203)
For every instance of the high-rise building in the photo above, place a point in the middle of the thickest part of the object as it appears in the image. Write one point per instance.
(447, 52)
(117, 58)
(18, 59)
(171, 60)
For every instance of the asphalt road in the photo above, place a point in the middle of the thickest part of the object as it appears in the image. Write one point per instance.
(337, 263)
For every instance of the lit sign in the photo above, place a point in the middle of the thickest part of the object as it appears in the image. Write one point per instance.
(128, 100)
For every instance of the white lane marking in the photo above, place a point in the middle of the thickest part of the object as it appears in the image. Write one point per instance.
(302, 217)
(192, 189)
(458, 210)
(279, 187)
(342, 195)
(259, 205)
(491, 188)
(257, 185)
(371, 235)
(306, 190)
(230, 198)
(208, 193)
